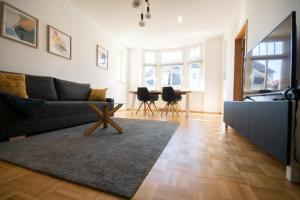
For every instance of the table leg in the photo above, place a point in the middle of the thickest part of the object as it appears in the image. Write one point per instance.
(105, 116)
(114, 125)
(93, 128)
(187, 104)
(133, 101)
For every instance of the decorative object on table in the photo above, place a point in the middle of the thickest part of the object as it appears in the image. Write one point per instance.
(137, 4)
(104, 118)
(19, 26)
(59, 43)
(98, 94)
(102, 57)
(103, 161)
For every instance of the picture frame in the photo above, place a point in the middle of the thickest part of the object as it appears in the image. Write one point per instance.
(18, 26)
(102, 57)
(59, 43)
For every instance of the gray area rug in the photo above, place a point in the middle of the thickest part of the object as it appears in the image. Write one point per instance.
(106, 160)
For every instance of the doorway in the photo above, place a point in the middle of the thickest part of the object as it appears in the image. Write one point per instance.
(240, 50)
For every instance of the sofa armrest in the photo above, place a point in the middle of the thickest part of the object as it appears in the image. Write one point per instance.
(3, 120)
(110, 100)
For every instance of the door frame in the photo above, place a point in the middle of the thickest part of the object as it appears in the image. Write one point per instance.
(240, 46)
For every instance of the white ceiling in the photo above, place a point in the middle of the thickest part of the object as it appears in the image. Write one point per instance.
(201, 19)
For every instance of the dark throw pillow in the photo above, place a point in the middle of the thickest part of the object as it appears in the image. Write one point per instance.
(40, 87)
(71, 91)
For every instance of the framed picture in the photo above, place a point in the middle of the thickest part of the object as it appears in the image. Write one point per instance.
(102, 57)
(59, 43)
(19, 26)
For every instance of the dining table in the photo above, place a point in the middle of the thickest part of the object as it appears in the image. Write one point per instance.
(185, 93)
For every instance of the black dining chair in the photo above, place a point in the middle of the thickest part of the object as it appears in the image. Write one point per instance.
(169, 96)
(144, 96)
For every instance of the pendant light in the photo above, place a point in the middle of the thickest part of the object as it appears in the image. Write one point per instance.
(148, 15)
(142, 21)
(137, 4)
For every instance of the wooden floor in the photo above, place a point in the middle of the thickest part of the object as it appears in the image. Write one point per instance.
(202, 161)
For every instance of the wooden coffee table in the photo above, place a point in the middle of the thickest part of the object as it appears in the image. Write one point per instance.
(105, 118)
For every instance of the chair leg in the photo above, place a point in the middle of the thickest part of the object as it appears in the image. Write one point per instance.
(168, 107)
(145, 108)
(179, 109)
(150, 108)
(172, 109)
(155, 107)
(139, 108)
(164, 110)
(175, 108)
(152, 103)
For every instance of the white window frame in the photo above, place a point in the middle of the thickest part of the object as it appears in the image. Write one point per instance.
(185, 63)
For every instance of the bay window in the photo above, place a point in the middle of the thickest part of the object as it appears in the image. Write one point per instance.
(150, 77)
(180, 68)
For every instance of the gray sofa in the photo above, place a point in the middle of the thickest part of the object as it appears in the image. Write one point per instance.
(66, 105)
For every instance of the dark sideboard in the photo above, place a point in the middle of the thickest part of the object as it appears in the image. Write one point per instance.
(266, 124)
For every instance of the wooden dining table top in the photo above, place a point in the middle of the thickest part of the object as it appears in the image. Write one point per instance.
(183, 92)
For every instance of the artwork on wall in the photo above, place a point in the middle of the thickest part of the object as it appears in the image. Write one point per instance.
(59, 43)
(18, 26)
(102, 57)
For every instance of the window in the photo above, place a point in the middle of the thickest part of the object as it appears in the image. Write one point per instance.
(171, 57)
(266, 74)
(196, 81)
(268, 63)
(171, 76)
(268, 49)
(194, 53)
(180, 68)
(150, 74)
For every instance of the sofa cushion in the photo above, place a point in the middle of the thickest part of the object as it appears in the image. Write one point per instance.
(13, 83)
(98, 94)
(41, 87)
(71, 91)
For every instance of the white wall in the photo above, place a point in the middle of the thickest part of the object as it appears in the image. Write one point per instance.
(263, 16)
(213, 75)
(85, 33)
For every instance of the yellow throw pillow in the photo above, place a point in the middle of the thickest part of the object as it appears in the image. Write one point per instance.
(14, 84)
(98, 94)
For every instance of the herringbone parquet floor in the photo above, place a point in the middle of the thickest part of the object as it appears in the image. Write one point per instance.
(201, 162)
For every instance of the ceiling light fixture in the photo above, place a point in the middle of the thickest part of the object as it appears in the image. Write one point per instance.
(137, 4)
(179, 19)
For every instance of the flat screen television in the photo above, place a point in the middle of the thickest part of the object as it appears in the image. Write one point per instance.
(270, 67)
